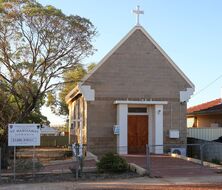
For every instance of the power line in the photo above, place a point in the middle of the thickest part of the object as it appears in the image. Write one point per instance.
(201, 90)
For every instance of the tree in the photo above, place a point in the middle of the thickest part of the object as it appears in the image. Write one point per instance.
(71, 78)
(8, 113)
(8, 109)
(38, 44)
(91, 67)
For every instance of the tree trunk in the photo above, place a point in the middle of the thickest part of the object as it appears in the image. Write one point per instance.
(28, 109)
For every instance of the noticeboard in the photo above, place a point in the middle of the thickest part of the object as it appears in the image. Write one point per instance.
(24, 134)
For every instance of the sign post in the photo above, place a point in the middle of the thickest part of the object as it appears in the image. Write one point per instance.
(14, 162)
(33, 162)
(23, 135)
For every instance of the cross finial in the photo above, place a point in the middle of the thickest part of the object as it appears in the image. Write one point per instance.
(138, 12)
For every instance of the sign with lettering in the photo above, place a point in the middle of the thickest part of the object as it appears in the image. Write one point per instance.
(24, 134)
(116, 129)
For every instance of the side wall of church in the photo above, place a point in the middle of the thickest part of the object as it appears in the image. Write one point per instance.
(78, 117)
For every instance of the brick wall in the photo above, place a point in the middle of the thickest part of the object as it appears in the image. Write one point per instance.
(137, 70)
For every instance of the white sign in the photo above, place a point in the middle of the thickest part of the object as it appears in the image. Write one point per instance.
(174, 133)
(116, 129)
(24, 134)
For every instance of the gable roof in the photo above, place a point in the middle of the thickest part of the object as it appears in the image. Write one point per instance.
(154, 43)
(204, 106)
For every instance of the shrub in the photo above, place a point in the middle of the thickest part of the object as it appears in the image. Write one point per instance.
(215, 161)
(27, 165)
(112, 163)
(68, 154)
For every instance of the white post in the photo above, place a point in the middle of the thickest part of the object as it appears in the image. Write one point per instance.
(122, 141)
(158, 129)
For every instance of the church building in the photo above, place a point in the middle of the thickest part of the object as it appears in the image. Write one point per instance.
(136, 95)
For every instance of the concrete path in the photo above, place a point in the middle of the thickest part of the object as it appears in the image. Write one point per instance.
(207, 182)
(167, 166)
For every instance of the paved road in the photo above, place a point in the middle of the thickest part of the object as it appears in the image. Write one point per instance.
(197, 183)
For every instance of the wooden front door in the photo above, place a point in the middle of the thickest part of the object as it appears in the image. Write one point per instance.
(137, 134)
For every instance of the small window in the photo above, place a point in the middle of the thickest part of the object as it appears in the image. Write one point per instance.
(137, 110)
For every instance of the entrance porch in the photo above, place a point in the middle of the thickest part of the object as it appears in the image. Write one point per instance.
(140, 123)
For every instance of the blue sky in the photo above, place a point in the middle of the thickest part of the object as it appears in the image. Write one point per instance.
(189, 31)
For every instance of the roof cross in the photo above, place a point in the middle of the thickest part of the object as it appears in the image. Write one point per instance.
(138, 12)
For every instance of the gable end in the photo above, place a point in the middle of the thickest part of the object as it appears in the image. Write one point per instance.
(153, 42)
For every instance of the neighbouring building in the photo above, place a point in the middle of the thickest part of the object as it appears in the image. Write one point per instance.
(206, 115)
(135, 96)
(49, 131)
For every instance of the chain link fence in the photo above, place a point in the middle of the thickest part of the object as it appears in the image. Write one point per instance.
(156, 160)
(29, 163)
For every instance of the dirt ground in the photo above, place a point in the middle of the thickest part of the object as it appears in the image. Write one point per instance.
(200, 183)
(73, 186)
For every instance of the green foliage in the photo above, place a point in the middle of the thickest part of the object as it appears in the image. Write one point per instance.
(8, 111)
(23, 165)
(216, 161)
(91, 67)
(71, 78)
(68, 154)
(112, 163)
(38, 44)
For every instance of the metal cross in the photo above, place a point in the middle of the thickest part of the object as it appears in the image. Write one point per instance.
(138, 12)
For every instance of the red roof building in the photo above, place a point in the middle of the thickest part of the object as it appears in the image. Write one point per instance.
(204, 106)
(205, 115)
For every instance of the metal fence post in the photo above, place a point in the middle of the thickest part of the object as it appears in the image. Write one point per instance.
(33, 162)
(201, 154)
(77, 162)
(148, 160)
(14, 161)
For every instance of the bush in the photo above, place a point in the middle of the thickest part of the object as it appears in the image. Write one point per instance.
(68, 154)
(112, 163)
(23, 165)
(215, 161)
